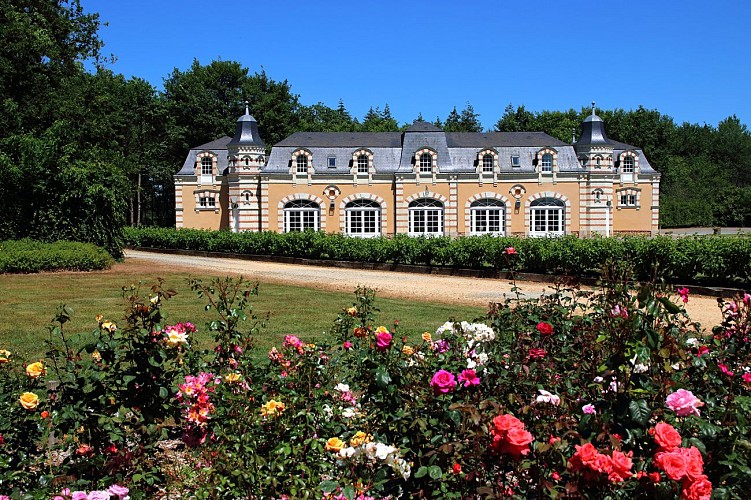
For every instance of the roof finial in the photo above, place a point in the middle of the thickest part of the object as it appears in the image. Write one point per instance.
(573, 135)
(593, 108)
(246, 107)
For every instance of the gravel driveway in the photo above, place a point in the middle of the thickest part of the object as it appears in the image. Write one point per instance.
(421, 287)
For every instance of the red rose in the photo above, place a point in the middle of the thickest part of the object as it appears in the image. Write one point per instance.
(537, 353)
(672, 463)
(698, 489)
(621, 466)
(545, 328)
(602, 463)
(503, 423)
(587, 453)
(666, 437)
(517, 442)
(655, 477)
(457, 469)
(694, 462)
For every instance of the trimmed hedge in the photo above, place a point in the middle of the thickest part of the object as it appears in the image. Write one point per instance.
(30, 256)
(706, 260)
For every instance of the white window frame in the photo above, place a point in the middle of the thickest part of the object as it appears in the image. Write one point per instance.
(545, 213)
(331, 162)
(546, 166)
(628, 170)
(426, 163)
(515, 161)
(207, 170)
(301, 164)
(426, 217)
(300, 215)
(363, 164)
(363, 219)
(207, 202)
(487, 212)
(488, 162)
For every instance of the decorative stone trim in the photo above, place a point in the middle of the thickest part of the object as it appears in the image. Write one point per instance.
(482, 196)
(547, 194)
(480, 165)
(301, 196)
(433, 164)
(293, 166)
(209, 194)
(544, 151)
(198, 166)
(635, 192)
(362, 196)
(426, 194)
(355, 164)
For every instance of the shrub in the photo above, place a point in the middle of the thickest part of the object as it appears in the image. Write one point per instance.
(29, 256)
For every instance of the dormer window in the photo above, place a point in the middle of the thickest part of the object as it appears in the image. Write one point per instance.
(207, 170)
(362, 164)
(332, 161)
(426, 162)
(515, 161)
(546, 165)
(628, 165)
(487, 163)
(302, 164)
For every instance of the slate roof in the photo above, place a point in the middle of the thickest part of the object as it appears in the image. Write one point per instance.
(218, 147)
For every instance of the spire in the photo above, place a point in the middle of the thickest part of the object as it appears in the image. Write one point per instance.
(593, 108)
(246, 131)
(593, 131)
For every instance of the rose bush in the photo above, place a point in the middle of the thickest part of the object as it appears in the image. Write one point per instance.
(606, 394)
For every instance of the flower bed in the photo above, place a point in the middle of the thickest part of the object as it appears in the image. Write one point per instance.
(601, 394)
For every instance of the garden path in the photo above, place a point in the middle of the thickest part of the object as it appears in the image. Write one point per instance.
(413, 286)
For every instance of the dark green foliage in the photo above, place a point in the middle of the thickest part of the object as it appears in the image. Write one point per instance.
(705, 259)
(28, 256)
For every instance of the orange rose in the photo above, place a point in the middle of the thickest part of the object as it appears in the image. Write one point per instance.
(621, 466)
(4, 356)
(694, 462)
(334, 444)
(503, 423)
(667, 437)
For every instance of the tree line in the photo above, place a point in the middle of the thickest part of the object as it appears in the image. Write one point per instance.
(85, 152)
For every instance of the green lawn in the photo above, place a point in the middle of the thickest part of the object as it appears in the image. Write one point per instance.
(28, 303)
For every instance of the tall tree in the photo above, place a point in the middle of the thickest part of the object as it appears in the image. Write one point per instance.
(42, 43)
(515, 120)
(469, 121)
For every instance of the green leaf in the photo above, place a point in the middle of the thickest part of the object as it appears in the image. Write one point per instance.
(669, 306)
(382, 377)
(639, 411)
(435, 472)
(163, 392)
(421, 472)
(328, 486)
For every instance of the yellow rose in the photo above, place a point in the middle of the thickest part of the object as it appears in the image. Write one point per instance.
(381, 329)
(352, 311)
(154, 299)
(272, 408)
(35, 370)
(97, 357)
(231, 378)
(334, 444)
(4, 356)
(109, 326)
(360, 438)
(409, 351)
(29, 400)
(427, 337)
(99, 318)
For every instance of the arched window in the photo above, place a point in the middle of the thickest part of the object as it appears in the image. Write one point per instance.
(628, 165)
(426, 162)
(547, 217)
(487, 163)
(426, 217)
(362, 164)
(302, 164)
(300, 215)
(207, 170)
(488, 216)
(246, 161)
(598, 161)
(363, 218)
(546, 165)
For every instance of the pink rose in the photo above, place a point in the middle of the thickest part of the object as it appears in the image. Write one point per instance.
(724, 369)
(383, 340)
(698, 489)
(747, 378)
(589, 409)
(683, 292)
(443, 382)
(119, 491)
(683, 403)
(510, 251)
(347, 344)
(469, 377)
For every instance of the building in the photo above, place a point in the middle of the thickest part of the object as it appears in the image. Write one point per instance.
(422, 181)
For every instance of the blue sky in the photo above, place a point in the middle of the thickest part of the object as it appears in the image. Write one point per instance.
(688, 59)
